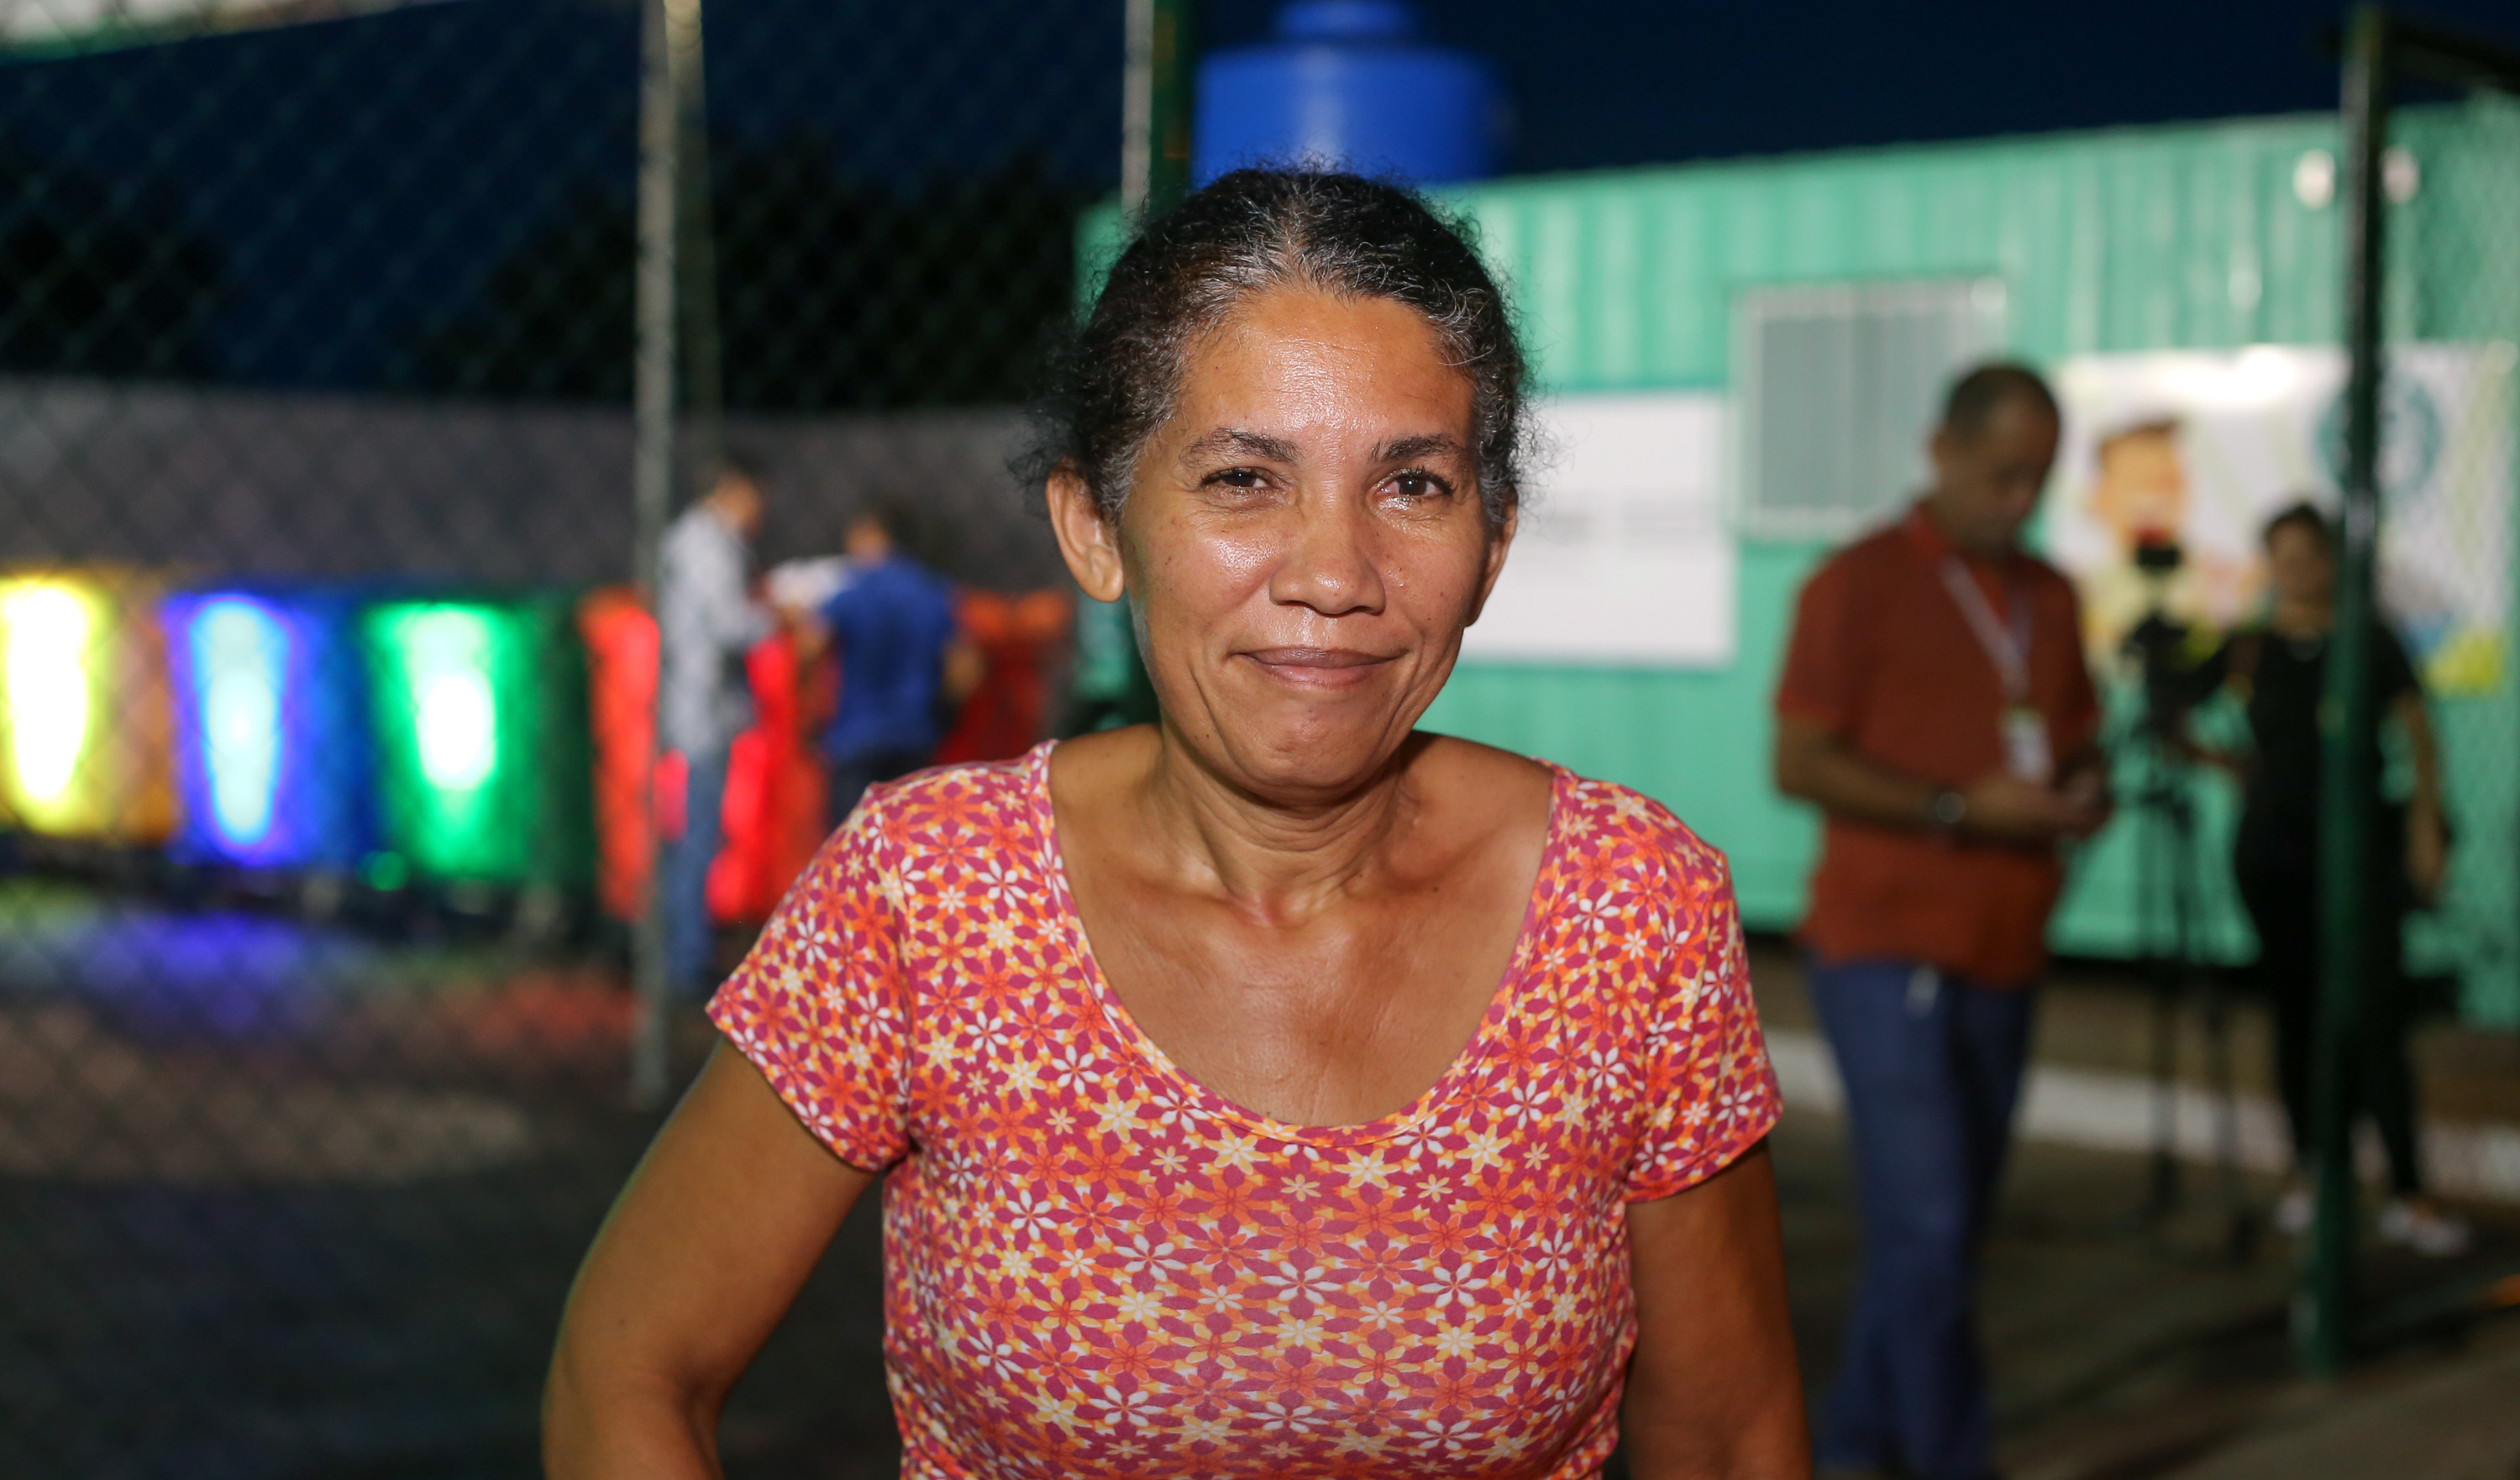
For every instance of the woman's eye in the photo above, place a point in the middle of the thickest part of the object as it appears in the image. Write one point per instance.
(1237, 477)
(1419, 485)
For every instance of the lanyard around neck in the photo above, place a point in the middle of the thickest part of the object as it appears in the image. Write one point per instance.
(2007, 647)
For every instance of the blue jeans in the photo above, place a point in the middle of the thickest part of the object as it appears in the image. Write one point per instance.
(682, 879)
(1932, 1067)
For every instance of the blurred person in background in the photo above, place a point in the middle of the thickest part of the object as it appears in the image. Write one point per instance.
(1935, 705)
(2277, 673)
(1019, 639)
(905, 666)
(1276, 1088)
(707, 622)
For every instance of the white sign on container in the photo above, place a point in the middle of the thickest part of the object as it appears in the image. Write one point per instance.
(1623, 558)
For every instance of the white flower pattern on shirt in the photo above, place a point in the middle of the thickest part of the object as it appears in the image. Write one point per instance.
(1095, 1265)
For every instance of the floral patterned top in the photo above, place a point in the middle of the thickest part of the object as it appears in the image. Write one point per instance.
(1095, 1265)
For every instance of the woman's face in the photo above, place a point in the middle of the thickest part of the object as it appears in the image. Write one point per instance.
(1303, 540)
(2299, 566)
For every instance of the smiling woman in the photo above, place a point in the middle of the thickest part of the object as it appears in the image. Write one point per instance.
(1274, 1089)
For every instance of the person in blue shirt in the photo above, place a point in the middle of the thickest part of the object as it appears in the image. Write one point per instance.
(905, 666)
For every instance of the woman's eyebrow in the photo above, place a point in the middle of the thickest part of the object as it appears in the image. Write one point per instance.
(1425, 445)
(1232, 439)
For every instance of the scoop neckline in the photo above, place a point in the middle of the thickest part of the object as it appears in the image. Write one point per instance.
(1132, 1038)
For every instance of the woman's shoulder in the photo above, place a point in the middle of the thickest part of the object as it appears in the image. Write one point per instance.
(948, 807)
(1623, 822)
(1500, 780)
(1600, 820)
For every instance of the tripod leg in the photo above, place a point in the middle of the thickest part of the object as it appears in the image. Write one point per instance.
(2163, 1192)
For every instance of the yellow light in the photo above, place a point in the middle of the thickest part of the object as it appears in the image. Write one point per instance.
(47, 639)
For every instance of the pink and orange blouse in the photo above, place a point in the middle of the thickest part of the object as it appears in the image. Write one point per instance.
(1094, 1265)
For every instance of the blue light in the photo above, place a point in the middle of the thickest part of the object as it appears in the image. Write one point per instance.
(271, 747)
(241, 670)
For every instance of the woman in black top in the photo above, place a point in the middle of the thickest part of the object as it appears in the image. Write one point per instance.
(2278, 671)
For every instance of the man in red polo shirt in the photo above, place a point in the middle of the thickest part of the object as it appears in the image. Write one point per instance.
(1935, 705)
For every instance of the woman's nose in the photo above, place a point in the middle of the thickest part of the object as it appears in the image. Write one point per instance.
(1330, 563)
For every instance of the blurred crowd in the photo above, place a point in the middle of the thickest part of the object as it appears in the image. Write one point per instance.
(784, 694)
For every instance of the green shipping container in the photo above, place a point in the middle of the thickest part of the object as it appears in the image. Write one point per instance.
(2192, 237)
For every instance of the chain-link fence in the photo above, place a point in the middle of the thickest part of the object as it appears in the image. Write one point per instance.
(2423, 432)
(327, 696)
(2451, 284)
(323, 758)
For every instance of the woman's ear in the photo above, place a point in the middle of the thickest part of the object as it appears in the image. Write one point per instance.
(1086, 540)
(1498, 543)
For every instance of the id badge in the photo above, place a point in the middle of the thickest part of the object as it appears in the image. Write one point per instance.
(2025, 746)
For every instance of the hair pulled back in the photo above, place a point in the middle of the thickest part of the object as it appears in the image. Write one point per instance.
(1248, 233)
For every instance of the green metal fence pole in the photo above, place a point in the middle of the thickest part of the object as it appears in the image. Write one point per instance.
(1159, 89)
(1161, 85)
(2348, 737)
(671, 33)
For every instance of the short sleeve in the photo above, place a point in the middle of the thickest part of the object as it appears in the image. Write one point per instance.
(822, 1005)
(1820, 676)
(1709, 1091)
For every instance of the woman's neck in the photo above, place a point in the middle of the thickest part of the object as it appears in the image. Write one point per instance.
(1273, 857)
(2296, 616)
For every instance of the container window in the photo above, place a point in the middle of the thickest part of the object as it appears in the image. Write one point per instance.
(1839, 386)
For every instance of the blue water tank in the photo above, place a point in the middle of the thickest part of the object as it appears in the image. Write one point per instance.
(1348, 82)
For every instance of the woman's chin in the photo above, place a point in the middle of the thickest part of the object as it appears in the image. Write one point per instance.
(1301, 759)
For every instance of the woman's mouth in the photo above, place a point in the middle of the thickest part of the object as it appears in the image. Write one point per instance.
(1319, 667)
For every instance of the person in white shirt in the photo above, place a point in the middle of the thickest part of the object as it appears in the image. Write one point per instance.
(708, 621)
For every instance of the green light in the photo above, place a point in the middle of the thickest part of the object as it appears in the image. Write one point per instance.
(459, 729)
(48, 638)
(454, 713)
(479, 712)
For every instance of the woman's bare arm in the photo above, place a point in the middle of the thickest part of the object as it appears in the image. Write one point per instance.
(1712, 1391)
(2427, 836)
(704, 1252)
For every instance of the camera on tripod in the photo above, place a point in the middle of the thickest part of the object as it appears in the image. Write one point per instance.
(2160, 650)
(2159, 645)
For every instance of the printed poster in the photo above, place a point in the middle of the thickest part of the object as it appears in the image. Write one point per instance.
(2200, 448)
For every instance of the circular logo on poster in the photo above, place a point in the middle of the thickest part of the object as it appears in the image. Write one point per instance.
(2411, 438)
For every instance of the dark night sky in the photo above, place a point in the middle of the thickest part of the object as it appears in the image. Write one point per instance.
(362, 175)
(1604, 82)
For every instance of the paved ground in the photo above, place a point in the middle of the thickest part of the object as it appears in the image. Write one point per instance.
(2120, 1351)
(2123, 1349)
(2436, 1416)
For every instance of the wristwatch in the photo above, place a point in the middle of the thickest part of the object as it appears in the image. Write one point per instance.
(1943, 811)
